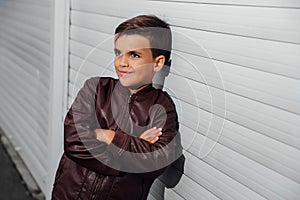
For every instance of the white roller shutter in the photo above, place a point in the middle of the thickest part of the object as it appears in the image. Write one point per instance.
(24, 80)
(255, 48)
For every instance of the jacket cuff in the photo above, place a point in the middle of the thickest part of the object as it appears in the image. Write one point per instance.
(116, 147)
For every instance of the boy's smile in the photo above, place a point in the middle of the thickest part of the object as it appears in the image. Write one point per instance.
(134, 62)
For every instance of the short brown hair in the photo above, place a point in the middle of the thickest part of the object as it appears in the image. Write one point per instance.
(156, 30)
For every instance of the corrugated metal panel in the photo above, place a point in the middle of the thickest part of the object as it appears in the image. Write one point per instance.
(256, 3)
(24, 80)
(254, 45)
(255, 22)
(267, 23)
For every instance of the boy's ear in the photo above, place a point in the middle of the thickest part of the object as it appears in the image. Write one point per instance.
(159, 63)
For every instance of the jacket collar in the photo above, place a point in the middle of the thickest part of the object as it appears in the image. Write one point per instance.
(125, 91)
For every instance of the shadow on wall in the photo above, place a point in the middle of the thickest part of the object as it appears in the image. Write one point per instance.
(170, 178)
(172, 175)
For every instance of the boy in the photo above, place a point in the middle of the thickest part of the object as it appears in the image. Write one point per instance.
(120, 134)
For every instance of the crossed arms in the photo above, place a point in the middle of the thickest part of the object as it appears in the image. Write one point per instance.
(93, 147)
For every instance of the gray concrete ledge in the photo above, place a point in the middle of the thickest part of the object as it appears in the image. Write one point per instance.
(30, 183)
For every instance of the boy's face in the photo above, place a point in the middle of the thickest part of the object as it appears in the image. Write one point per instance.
(134, 63)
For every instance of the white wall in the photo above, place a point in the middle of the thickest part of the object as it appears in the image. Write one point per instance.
(24, 79)
(33, 61)
(234, 78)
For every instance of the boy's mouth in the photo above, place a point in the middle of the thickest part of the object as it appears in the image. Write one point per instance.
(124, 73)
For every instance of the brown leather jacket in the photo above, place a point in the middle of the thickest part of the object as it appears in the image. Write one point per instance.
(125, 169)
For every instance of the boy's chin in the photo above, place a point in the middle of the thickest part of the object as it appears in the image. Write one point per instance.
(129, 85)
(126, 84)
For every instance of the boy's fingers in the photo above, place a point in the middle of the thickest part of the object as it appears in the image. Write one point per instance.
(152, 135)
(154, 140)
(154, 131)
(150, 132)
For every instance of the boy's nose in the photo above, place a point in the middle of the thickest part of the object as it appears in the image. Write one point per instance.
(123, 61)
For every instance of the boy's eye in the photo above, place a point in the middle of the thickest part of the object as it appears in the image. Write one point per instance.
(134, 55)
(117, 53)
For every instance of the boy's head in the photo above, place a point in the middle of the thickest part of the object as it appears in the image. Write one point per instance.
(154, 29)
(142, 47)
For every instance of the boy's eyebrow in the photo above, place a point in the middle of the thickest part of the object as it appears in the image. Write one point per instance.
(132, 51)
(135, 51)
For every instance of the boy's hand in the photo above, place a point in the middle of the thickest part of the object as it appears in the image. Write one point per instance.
(104, 135)
(151, 135)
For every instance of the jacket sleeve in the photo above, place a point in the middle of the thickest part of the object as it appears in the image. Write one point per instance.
(141, 156)
(80, 144)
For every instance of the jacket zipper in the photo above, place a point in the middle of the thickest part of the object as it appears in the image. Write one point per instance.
(99, 182)
(122, 113)
(129, 99)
